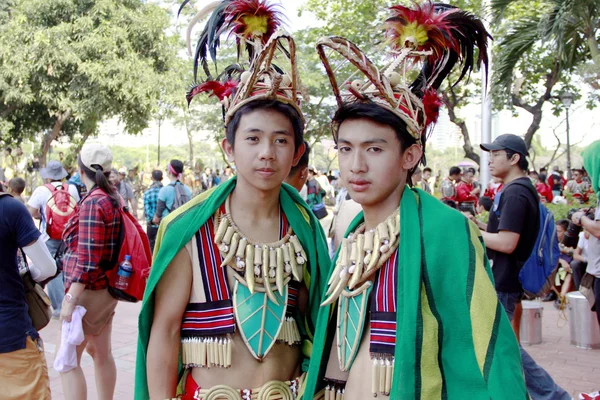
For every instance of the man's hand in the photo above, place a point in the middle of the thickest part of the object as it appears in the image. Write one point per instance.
(576, 218)
(155, 220)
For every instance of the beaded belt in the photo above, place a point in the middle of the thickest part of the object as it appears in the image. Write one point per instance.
(272, 390)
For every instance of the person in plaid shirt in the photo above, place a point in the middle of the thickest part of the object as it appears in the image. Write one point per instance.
(150, 202)
(92, 239)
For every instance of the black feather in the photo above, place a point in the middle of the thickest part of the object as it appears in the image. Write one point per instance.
(185, 2)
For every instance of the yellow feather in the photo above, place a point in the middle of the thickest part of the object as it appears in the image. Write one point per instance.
(255, 25)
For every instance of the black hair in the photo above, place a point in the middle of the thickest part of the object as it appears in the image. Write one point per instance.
(564, 223)
(17, 185)
(177, 166)
(284, 109)
(9, 150)
(523, 164)
(427, 169)
(303, 162)
(471, 170)
(100, 179)
(454, 171)
(157, 175)
(450, 203)
(534, 172)
(577, 170)
(486, 203)
(373, 112)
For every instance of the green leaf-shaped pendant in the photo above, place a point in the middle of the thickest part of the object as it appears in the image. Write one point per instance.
(258, 318)
(352, 312)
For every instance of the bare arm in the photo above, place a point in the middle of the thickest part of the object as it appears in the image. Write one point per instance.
(35, 213)
(593, 227)
(172, 296)
(503, 241)
(578, 256)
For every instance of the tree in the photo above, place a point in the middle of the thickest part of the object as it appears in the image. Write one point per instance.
(538, 52)
(66, 65)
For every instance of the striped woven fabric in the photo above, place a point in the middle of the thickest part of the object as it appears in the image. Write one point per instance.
(208, 319)
(453, 340)
(383, 308)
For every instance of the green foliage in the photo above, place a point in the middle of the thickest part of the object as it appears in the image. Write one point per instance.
(82, 61)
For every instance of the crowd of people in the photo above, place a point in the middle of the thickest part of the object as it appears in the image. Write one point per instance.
(245, 298)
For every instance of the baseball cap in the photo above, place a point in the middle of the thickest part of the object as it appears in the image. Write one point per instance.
(123, 171)
(54, 170)
(507, 141)
(96, 154)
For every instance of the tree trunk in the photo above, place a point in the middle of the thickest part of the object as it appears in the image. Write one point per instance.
(594, 50)
(52, 135)
(451, 103)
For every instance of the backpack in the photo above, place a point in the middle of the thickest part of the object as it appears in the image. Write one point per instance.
(133, 242)
(59, 209)
(535, 273)
(181, 195)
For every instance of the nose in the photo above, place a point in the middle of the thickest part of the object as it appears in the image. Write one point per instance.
(267, 150)
(358, 164)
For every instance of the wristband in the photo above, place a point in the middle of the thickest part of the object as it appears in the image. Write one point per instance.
(70, 298)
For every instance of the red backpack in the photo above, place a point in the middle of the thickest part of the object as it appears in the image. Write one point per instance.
(59, 209)
(134, 242)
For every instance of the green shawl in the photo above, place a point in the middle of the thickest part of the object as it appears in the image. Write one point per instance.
(178, 228)
(454, 340)
(591, 163)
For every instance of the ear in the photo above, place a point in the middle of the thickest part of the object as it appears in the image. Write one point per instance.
(304, 173)
(514, 160)
(299, 153)
(411, 157)
(228, 149)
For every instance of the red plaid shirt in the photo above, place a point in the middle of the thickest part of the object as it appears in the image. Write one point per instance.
(92, 238)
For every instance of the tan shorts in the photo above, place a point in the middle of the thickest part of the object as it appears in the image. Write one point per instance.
(24, 374)
(100, 306)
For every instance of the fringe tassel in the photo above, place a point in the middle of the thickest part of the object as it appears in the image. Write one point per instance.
(334, 392)
(289, 332)
(381, 375)
(206, 352)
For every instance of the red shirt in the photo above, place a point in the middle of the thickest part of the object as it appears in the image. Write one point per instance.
(92, 239)
(545, 191)
(463, 193)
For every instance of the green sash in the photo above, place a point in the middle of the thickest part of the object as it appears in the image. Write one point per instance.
(454, 340)
(178, 228)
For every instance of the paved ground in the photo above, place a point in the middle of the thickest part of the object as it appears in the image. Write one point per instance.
(574, 369)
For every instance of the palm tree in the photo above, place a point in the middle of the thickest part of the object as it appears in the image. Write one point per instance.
(567, 23)
(546, 41)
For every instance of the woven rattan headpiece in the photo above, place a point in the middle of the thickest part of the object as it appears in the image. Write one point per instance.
(255, 24)
(427, 40)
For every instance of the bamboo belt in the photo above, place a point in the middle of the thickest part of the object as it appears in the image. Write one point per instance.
(272, 390)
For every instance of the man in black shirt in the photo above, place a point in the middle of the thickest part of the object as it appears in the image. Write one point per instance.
(510, 237)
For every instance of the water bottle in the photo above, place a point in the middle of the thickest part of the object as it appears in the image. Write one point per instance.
(124, 273)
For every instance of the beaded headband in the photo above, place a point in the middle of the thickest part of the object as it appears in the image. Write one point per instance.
(255, 26)
(426, 41)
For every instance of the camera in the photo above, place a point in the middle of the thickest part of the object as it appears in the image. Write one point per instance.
(572, 234)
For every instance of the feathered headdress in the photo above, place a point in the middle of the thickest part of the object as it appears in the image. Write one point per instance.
(428, 41)
(255, 26)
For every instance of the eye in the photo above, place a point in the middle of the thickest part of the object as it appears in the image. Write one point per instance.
(344, 149)
(252, 138)
(281, 140)
(375, 149)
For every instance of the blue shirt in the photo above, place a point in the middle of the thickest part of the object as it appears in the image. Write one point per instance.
(167, 194)
(16, 230)
(151, 200)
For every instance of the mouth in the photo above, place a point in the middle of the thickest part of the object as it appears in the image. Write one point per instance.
(359, 185)
(265, 172)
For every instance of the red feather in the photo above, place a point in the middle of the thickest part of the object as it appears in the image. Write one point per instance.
(402, 21)
(431, 104)
(214, 88)
(238, 10)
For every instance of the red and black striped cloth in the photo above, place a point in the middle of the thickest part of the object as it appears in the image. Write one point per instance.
(383, 308)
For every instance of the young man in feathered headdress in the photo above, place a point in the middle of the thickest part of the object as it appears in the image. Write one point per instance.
(410, 311)
(238, 271)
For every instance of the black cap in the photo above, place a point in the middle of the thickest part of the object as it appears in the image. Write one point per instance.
(507, 142)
